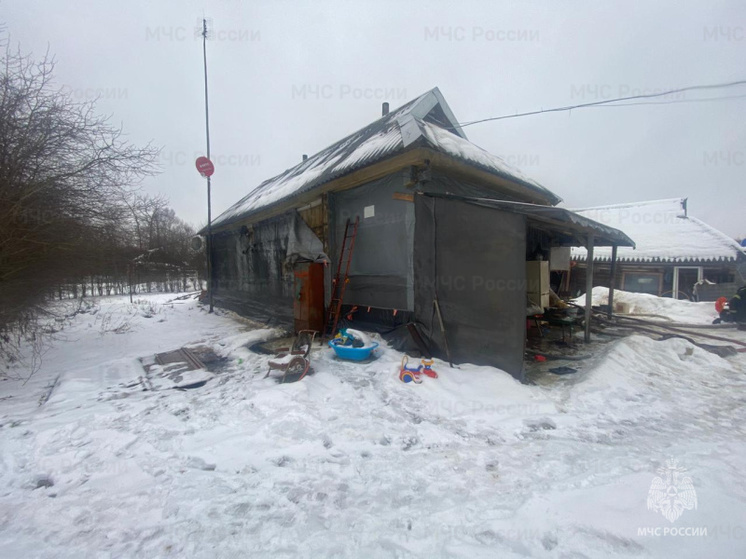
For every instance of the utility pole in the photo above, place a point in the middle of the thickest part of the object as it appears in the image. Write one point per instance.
(207, 134)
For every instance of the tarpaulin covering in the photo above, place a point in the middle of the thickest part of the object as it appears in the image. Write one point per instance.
(471, 259)
(253, 267)
(441, 183)
(303, 244)
(381, 267)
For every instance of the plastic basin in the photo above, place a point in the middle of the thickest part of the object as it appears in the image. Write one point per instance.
(353, 353)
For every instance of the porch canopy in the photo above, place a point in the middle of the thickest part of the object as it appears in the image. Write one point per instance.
(566, 228)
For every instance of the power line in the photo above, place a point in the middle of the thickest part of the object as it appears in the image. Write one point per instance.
(608, 101)
(673, 101)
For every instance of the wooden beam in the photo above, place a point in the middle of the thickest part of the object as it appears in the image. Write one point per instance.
(612, 281)
(589, 288)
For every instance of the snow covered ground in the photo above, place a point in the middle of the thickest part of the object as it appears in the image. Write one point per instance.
(350, 462)
(662, 308)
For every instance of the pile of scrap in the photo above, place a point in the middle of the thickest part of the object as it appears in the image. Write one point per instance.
(180, 369)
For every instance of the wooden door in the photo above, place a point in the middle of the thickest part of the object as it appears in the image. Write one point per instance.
(309, 297)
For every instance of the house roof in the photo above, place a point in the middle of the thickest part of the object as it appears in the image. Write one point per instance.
(663, 232)
(426, 121)
(566, 226)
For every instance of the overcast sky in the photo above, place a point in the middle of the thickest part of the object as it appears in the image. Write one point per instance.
(288, 78)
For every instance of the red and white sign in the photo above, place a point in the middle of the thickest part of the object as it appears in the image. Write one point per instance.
(205, 166)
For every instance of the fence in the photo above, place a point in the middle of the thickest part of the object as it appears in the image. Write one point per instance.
(140, 278)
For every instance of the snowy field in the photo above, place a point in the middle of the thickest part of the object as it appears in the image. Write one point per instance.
(350, 462)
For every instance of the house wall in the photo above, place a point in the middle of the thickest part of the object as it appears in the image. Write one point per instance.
(472, 260)
(249, 274)
(249, 271)
(381, 273)
(717, 273)
(381, 267)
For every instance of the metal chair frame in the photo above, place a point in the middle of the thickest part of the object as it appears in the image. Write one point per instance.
(296, 360)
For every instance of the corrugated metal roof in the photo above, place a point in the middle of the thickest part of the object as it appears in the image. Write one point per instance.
(663, 233)
(390, 135)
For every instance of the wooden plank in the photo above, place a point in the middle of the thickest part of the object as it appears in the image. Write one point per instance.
(612, 280)
(325, 225)
(314, 217)
(589, 289)
(403, 196)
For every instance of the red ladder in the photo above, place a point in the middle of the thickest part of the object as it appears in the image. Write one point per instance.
(339, 283)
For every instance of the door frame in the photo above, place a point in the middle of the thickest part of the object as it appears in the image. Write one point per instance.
(675, 285)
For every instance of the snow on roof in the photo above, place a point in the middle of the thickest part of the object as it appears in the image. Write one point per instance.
(463, 149)
(662, 232)
(415, 123)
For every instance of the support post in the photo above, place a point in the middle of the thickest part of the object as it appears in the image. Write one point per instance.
(130, 277)
(209, 245)
(612, 280)
(209, 205)
(589, 288)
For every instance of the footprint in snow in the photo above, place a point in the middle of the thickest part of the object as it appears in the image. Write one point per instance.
(282, 461)
(199, 464)
(409, 442)
(43, 480)
(549, 541)
(541, 424)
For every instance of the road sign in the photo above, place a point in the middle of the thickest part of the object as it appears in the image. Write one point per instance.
(205, 166)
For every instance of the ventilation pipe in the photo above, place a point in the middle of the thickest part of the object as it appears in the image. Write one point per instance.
(305, 156)
(385, 109)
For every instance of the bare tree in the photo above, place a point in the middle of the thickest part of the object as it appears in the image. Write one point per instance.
(65, 173)
(141, 208)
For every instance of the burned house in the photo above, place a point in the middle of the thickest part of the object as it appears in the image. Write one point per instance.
(440, 219)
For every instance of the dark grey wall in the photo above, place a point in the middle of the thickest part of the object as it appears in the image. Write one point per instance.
(473, 259)
(381, 273)
(249, 276)
(381, 268)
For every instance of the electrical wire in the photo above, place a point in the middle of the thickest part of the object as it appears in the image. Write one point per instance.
(609, 101)
(673, 101)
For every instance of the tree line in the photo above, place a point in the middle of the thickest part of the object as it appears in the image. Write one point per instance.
(72, 217)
